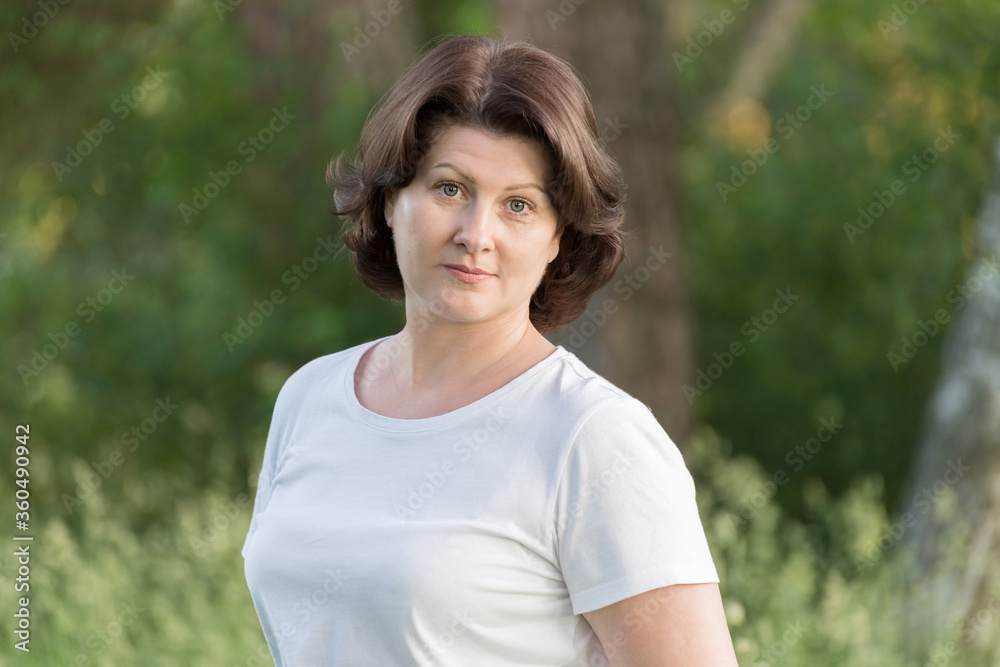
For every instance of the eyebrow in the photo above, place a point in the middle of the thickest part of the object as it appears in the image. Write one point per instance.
(473, 181)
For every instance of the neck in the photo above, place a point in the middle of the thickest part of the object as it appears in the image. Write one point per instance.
(431, 352)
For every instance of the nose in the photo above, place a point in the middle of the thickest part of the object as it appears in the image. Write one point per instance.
(474, 228)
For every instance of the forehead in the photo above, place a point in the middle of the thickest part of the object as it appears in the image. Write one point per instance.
(477, 152)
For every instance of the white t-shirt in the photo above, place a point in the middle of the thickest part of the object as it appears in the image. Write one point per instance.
(476, 537)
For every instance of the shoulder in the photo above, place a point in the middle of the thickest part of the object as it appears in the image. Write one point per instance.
(607, 422)
(316, 375)
(585, 393)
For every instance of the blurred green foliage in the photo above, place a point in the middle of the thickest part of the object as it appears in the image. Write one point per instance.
(894, 87)
(210, 85)
(175, 594)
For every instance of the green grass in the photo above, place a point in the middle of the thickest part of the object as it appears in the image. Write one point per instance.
(109, 592)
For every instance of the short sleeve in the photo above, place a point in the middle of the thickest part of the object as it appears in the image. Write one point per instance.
(626, 518)
(273, 451)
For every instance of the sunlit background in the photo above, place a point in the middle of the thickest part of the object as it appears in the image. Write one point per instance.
(822, 342)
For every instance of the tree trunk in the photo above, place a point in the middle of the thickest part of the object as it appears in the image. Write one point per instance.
(960, 449)
(642, 340)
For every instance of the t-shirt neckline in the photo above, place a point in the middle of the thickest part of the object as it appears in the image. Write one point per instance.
(438, 421)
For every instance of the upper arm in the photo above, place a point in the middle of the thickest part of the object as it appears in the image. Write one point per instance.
(626, 516)
(683, 624)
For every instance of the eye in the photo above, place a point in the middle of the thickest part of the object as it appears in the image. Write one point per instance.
(449, 189)
(521, 207)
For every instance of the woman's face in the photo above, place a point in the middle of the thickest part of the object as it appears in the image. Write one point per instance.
(476, 203)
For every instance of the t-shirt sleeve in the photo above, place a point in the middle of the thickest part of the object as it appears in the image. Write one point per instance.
(274, 450)
(626, 518)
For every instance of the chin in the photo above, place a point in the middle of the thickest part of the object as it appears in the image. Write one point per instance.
(459, 307)
(465, 315)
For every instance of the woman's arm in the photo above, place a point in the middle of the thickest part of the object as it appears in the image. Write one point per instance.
(677, 625)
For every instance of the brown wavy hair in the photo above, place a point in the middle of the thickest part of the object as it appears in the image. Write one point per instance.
(508, 89)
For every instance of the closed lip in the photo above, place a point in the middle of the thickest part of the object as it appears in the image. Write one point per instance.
(466, 269)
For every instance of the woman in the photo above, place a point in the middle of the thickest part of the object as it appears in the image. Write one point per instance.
(465, 492)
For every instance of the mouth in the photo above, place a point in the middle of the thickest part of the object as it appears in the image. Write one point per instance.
(467, 274)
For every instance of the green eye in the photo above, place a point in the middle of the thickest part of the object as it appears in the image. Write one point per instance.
(450, 189)
(518, 202)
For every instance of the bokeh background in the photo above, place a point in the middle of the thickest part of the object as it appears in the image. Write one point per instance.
(822, 342)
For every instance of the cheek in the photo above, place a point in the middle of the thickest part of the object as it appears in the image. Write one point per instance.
(414, 244)
(423, 224)
(530, 266)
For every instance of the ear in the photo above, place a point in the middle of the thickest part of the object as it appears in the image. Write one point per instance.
(390, 205)
(554, 249)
